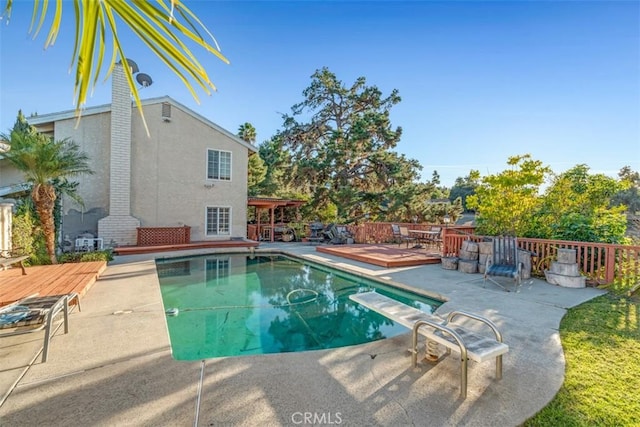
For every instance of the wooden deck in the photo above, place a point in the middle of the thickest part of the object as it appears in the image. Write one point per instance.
(49, 280)
(134, 250)
(388, 256)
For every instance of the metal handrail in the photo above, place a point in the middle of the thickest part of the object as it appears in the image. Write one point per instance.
(459, 341)
(487, 322)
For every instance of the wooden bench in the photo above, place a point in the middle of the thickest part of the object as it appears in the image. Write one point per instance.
(469, 344)
(8, 262)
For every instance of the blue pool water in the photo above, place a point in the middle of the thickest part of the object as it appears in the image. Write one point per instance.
(240, 304)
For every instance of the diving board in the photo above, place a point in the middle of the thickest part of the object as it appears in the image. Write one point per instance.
(469, 344)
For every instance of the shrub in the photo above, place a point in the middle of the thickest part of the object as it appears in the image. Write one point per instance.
(105, 255)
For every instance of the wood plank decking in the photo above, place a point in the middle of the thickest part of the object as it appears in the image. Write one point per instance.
(49, 280)
(388, 256)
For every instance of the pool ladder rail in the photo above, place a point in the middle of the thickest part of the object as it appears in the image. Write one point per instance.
(469, 344)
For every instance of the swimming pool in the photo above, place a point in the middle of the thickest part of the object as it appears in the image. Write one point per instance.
(240, 304)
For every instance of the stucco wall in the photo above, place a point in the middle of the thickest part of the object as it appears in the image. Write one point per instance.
(92, 136)
(169, 185)
(9, 175)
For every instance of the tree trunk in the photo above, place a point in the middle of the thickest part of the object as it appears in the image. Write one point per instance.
(44, 197)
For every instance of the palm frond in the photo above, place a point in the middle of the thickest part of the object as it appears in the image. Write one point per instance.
(163, 27)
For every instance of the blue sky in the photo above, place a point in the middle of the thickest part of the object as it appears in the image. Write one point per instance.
(479, 81)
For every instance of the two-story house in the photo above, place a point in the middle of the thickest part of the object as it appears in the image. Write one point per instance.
(187, 172)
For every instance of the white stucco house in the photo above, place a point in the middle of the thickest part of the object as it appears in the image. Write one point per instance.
(188, 172)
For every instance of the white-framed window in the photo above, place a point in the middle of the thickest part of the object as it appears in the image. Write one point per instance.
(218, 221)
(219, 165)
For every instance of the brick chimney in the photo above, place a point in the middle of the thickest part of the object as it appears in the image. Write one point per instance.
(119, 227)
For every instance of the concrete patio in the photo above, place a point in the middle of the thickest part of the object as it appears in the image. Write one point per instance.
(115, 365)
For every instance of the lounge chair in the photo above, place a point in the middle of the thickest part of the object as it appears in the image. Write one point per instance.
(33, 314)
(504, 262)
(337, 234)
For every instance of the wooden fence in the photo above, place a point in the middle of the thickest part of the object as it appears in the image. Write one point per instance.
(601, 263)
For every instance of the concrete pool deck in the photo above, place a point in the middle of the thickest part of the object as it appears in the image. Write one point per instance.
(115, 365)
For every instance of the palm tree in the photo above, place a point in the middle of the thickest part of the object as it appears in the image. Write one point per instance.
(45, 162)
(165, 30)
(247, 132)
(256, 170)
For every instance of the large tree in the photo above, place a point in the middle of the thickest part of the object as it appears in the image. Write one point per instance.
(505, 203)
(340, 142)
(46, 164)
(629, 194)
(167, 29)
(465, 187)
(577, 206)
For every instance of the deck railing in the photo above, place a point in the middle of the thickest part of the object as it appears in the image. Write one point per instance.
(380, 232)
(601, 263)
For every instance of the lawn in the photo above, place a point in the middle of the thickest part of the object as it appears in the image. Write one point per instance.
(601, 342)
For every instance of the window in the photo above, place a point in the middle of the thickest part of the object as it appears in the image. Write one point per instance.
(218, 221)
(219, 165)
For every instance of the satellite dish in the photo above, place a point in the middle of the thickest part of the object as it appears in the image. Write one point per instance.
(144, 79)
(132, 65)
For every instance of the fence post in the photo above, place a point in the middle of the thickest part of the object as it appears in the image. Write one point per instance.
(445, 242)
(610, 265)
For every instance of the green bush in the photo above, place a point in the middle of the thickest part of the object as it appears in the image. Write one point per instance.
(105, 255)
(22, 240)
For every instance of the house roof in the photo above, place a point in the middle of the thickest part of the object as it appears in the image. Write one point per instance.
(43, 119)
(13, 189)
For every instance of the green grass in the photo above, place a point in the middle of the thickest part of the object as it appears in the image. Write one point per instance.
(601, 342)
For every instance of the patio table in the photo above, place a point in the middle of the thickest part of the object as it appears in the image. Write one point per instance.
(425, 236)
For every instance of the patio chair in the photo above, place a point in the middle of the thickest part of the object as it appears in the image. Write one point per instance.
(504, 262)
(401, 234)
(436, 239)
(33, 314)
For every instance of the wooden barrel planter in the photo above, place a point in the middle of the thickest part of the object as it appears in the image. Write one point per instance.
(468, 265)
(482, 262)
(449, 263)
(525, 259)
(469, 251)
(485, 248)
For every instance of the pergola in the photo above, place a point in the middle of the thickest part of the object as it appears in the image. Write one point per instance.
(271, 204)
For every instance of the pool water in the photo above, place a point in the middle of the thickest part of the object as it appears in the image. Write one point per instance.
(240, 304)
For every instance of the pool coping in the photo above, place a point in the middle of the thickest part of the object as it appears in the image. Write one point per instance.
(116, 369)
